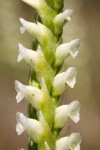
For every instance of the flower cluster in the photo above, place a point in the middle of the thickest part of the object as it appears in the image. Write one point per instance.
(47, 83)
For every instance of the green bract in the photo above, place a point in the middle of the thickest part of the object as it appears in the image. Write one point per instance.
(46, 81)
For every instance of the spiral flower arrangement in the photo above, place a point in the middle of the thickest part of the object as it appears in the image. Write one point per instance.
(46, 80)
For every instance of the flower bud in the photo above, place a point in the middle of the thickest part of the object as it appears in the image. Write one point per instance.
(33, 127)
(32, 94)
(60, 20)
(63, 50)
(43, 35)
(62, 113)
(70, 142)
(60, 80)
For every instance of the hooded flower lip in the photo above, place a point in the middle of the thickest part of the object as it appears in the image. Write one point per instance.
(70, 142)
(28, 55)
(60, 80)
(34, 29)
(73, 111)
(33, 127)
(74, 45)
(62, 113)
(32, 94)
(67, 14)
(19, 128)
(63, 50)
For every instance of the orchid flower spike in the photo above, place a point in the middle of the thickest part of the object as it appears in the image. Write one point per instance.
(46, 81)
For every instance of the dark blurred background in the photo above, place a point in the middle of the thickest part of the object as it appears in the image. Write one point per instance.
(84, 25)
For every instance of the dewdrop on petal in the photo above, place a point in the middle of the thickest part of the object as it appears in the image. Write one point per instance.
(60, 80)
(33, 127)
(64, 112)
(32, 94)
(70, 142)
(63, 50)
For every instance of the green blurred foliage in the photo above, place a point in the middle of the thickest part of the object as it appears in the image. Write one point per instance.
(84, 25)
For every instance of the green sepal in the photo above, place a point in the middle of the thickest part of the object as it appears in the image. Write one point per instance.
(47, 136)
(50, 3)
(44, 70)
(47, 105)
(58, 5)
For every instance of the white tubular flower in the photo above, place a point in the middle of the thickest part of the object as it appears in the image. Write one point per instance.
(32, 94)
(35, 29)
(47, 146)
(38, 30)
(63, 50)
(30, 56)
(66, 15)
(70, 142)
(61, 19)
(60, 80)
(33, 127)
(45, 37)
(62, 113)
(38, 62)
